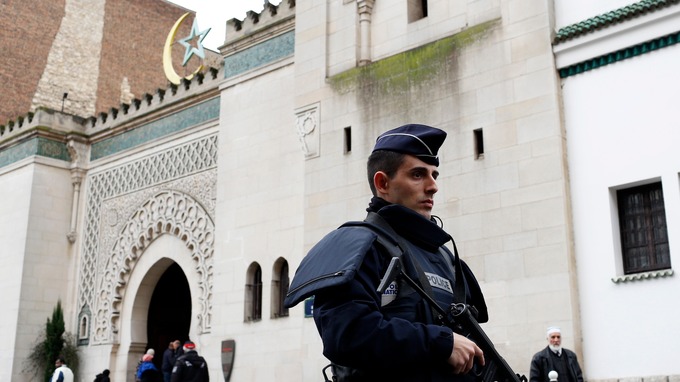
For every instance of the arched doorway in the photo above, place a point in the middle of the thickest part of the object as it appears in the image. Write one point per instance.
(169, 316)
(168, 257)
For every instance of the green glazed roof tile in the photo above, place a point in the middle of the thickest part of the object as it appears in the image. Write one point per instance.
(620, 55)
(611, 18)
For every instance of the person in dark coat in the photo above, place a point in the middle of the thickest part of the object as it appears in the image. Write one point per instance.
(393, 335)
(190, 367)
(555, 358)
(169, 357)
(103, 376)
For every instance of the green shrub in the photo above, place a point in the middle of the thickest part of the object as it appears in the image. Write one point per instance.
(51, 343)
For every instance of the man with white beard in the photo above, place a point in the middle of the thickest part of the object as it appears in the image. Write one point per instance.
(555, 357)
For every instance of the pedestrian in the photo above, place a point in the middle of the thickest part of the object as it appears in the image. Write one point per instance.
(555, 357)
(190, 367)
(103, 376)
(169, 357)
(179, 350)
(150, 352)
(147, 370)
(62, 373)
(394, 335)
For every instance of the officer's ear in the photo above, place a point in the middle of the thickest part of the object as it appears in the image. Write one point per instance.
(381, 182)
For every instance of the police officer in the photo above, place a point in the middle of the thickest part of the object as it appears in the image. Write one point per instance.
(393, 336)
(190, 367)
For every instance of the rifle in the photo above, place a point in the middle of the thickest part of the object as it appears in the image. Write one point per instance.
(461, 319)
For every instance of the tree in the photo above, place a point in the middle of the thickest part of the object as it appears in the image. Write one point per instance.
(53, 342)
(54, 332)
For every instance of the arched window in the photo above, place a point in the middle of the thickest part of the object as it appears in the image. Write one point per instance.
(279, 288)
(253, 299)
(82, 328)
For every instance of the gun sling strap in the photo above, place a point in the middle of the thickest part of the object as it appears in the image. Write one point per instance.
(397, 247)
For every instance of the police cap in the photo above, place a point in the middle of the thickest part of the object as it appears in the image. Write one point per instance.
(421, 141)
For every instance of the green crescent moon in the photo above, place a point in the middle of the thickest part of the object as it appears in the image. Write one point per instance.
(170, 73)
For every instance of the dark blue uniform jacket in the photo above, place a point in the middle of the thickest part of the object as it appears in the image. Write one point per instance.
(381, 337)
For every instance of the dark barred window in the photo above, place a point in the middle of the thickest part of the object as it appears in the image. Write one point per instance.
(417, 9)
(253, 298)
(642, 221)
(280, 284)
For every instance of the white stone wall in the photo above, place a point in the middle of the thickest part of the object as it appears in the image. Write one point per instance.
(259, 219)
(13, 208)
(36, 256)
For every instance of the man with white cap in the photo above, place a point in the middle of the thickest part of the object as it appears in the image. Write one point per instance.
(555, 357)
(392, 335)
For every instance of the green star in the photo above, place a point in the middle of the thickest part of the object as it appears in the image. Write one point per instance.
(186, 41)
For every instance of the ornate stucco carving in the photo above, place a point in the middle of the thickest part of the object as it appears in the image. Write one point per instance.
(116, 194)
(168, 212)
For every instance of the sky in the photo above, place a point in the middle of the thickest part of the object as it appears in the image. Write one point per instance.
(214, 14)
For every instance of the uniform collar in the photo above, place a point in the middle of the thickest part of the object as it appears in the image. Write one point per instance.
(411, 225)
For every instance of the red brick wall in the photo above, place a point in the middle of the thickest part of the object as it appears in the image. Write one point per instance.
(27, 31)
(134, 36)
(132, 46)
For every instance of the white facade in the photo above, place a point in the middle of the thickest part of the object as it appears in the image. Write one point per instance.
(621, 123)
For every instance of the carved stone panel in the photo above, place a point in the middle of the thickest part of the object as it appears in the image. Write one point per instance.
(307, 129)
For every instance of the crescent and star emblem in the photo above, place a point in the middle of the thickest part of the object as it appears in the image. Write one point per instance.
(170, 73)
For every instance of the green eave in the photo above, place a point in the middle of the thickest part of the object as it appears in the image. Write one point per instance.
(620, 55)
(610, 18)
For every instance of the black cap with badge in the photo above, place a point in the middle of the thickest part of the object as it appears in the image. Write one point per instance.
(421, 141)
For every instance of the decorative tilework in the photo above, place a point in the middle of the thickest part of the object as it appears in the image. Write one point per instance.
(172, 123)
(35, 146)
(51, 149)
(260, 55)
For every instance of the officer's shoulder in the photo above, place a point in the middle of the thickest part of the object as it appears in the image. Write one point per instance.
(333, 261)
(354, 229)
(348, 239)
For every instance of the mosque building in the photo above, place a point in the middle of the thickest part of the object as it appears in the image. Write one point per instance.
(163, 191)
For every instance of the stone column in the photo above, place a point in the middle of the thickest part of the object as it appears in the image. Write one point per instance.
(78, 152)
(365, 8)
